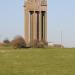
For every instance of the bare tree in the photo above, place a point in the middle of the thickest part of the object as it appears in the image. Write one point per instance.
(18, 42)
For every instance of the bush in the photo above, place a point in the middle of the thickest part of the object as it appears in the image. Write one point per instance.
(6, 43)
(18, 42)
(40, 44)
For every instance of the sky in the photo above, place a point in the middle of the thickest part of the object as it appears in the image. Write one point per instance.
(61, 18)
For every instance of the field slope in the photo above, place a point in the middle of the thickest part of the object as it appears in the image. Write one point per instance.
(37, 62)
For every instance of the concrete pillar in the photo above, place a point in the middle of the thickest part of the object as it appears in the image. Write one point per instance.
(31, 26)
(46, 26)
(34, 26)
(40, 33)
(37, 25)
(27, 27)
(43, 24)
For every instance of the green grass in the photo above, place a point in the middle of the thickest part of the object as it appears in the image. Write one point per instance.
(37, 61)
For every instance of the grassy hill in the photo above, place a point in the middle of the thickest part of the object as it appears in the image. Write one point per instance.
(37, 61)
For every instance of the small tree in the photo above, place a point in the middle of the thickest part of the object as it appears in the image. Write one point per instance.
(6, 42)
(18, 42)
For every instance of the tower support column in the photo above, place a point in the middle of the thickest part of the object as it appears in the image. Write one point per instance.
(40, 33)
(27, 26)
(31, 27)
(46, 26)
(34, 26)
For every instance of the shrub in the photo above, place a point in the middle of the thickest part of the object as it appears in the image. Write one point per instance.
(42, 44)
(18, 42)
(6, 42)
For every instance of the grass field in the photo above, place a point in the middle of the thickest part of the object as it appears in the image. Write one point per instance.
(37, 61)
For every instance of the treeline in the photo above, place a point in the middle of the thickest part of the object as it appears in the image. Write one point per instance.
(19, 42)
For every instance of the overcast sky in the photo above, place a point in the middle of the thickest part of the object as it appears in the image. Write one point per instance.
(61, 18)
